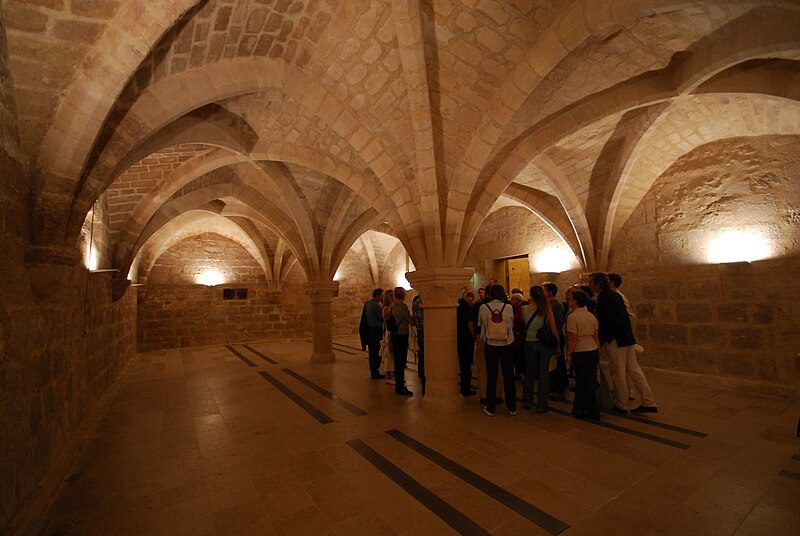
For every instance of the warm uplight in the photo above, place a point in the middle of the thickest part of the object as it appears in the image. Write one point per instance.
(402, 281)
(210, 278)
(91, 257)
(738, 246)
(553, 260)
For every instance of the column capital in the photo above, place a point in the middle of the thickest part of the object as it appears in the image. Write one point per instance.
(440, 285)
(321, 291)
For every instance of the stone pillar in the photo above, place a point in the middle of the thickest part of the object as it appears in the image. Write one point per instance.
(321, 294)
(440, 289)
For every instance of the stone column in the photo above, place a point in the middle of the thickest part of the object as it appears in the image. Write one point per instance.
(440, 289)
(321, 294)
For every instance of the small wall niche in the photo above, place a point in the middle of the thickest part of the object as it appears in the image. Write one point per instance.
(234, 294)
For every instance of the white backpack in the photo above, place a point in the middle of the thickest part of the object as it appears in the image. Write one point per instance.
(496, 328)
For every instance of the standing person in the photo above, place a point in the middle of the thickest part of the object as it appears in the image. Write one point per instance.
(496, 320)
(517, 301)
(615, 280)
(617, 341)
(387, 358)
(402, 321)
(419, 321)
(537, 353)
(372, 318)
(583, 355)
(480, 354)
(558, 376)
(465, 343)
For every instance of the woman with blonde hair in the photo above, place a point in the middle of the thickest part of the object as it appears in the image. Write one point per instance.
(539, 347)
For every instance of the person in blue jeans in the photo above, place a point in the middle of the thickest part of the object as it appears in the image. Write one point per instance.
(537, 355)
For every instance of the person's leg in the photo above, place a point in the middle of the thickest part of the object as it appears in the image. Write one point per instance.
(591, 407)
(580, 369)
(619, 381)
(492, 359)
(509, 384)
(400, 347)
(530, 374)
(637, 376)
(421, 358)
(480, 366)
(374, 345)
(465, 351)
(543, 375)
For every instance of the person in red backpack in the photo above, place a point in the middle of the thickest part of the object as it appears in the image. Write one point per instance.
(496, 320)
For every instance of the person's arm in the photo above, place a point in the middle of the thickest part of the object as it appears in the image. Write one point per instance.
(572, 340)
(596, 337)
(552, 320)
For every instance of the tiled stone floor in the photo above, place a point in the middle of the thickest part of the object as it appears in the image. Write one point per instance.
(197, 441)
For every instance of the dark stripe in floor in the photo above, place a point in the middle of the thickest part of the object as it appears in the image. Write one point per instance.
(629, 431)
(297, 399)
(241, 356)
(790, 474)
(327, 394)
(519, 505)
(310, 341)
(346, 346)
(259, 354)
(446, 512)
(658, 424)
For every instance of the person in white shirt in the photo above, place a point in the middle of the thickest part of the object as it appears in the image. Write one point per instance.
(583, 354)
(498, 337)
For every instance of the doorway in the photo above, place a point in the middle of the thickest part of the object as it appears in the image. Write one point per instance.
(518, 273)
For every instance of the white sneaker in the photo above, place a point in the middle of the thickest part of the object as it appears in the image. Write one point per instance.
(487, 412)
(512, 413)
(390, 381)
(638, 348)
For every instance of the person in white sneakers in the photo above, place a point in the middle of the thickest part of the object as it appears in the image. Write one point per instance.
(496, 320)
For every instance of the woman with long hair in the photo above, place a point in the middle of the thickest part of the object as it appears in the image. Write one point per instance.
(387, 356)
(538, 353)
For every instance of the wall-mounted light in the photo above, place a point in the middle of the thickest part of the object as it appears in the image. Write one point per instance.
(735, 245)
(553, 260)
(210, 278)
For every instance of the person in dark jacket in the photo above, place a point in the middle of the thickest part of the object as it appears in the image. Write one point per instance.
(371, 331)
(617, 342)
(465, 343)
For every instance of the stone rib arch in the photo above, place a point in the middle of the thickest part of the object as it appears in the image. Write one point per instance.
(573, 27)
(138, 26)
(149, 205)
(549, 209)
(193, 223)
(374, 270)
(349, 237)
(155, 108)
(695, 120)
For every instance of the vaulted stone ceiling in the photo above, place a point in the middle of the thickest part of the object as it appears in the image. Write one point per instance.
(296, 126)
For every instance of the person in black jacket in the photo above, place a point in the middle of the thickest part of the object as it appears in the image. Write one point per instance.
(617, 341)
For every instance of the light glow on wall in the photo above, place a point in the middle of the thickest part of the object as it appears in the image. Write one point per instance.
(210, 278)
(553, 260)
(90, 257)
(736, 245)
(401, 281)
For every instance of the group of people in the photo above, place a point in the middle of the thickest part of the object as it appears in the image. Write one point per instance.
(386, 325)
(539, 340)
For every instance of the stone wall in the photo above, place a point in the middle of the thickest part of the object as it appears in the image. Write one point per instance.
(181, 263)
(195, 315)
(515, 231)
(59, 358)
(730, 321)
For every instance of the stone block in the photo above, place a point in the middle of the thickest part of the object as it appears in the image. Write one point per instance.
(700, 360)
(731, 312)
(749, 337)
(704, 335)
(693, 312)
(669, 333)
(736, 364)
